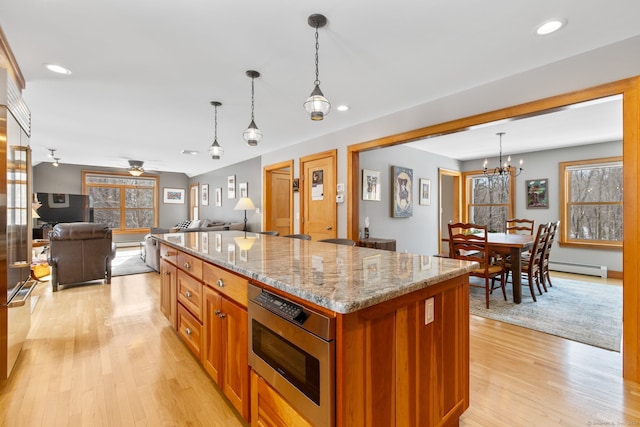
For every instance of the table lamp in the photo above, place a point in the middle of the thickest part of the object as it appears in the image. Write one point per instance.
(245, 204)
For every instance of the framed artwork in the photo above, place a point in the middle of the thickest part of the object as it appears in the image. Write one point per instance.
(244, 189)
(231, 187)
(425, 191)
(402, 203)
(177, 238)
(296, 185)
(219, 196)
(173, 195)
(537, 194)
(371, 185)
(205, 194)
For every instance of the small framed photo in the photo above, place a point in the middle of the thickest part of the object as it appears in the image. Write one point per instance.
(537, 195)
(205, 194)
(231, 187)
(371, 185)
(244, 189)
(296, 185)
(402, 203)
(425, 191)
(174, 195)
(219, 196)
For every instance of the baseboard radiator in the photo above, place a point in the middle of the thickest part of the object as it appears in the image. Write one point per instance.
(570, 267)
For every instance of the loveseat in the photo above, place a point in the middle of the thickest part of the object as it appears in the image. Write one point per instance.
(152, 247)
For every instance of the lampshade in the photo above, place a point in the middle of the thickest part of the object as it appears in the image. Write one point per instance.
(245, 204)
(245, 243)
(34, 214)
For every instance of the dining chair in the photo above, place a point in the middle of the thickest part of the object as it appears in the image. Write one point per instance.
(544, 263)
(269, 233)
(469, 242)
(346, 242)
(531, 264)
(298, 236)
(519, 226)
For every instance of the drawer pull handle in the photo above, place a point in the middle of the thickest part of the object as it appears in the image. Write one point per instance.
(167, 273)
(220, 283)
(186, 265)
(222, 315)
(187, 294)
(187, 331)
(217, 312)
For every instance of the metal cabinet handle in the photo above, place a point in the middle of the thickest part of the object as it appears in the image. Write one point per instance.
(329, 227)
(222, 315)
(187, 294)
(220, 283)
(186, 265)
(167, 273)
(187, 331)
(217, 312)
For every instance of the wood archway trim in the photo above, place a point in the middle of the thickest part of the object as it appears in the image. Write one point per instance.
(630, 89)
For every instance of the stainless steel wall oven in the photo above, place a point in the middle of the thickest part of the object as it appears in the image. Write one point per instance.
(293, 349)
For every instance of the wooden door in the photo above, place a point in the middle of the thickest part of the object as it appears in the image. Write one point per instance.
(319, 211)
(236, 356)
(194, 202)
(168, 292)
(278, 198)
(211, 324)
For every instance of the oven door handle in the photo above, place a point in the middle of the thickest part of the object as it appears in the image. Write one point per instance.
(22, 296)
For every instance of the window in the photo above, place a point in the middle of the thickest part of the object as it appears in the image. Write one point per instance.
(123, 202)
(591, 203)
(488, 199)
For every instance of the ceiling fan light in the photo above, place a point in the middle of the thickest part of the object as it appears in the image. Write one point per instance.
(135, 167)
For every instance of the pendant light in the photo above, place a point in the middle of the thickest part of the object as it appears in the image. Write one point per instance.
(252, 135)
(216, 150)
(317, 105)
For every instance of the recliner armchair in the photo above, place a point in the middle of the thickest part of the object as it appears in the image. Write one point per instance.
(80, 252)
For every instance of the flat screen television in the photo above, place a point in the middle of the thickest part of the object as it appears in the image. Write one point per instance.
(62, 207)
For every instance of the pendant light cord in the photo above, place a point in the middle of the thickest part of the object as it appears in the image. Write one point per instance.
(252, 79)
(317, 82)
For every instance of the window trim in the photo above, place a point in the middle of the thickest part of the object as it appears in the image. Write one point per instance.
(564, 240)
(466, 176)
(156, 203)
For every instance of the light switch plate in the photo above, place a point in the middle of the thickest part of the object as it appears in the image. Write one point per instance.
(340, 188)
(340, 198)
(428, 311)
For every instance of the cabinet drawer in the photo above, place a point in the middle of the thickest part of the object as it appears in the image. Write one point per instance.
(229, 284)
(190, 330)
(190, 264)
(190, 294)
(168, 253)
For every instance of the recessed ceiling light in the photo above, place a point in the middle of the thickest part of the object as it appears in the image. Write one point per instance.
(191, 152)
(550, 27)
(343, 107)
(57, 69)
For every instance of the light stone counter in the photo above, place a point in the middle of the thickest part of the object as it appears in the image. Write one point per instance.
(341, 278)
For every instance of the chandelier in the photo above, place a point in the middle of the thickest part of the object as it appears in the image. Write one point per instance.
(502, 168)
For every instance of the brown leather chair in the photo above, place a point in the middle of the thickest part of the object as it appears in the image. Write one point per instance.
(80, 252)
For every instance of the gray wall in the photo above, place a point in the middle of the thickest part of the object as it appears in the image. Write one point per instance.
(249, 171)
(68, 179)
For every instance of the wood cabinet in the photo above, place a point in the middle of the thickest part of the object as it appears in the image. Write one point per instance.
(168, 292)
(269, 409)
(376, 243)
(225, 355)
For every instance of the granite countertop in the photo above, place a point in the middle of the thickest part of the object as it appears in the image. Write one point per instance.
(341, 278)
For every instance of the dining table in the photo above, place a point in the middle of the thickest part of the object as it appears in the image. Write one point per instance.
(513, 245)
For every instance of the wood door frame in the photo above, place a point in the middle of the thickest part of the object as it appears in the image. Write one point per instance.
(457, 197)
(333, 154)
(630, 91)
(266, 191)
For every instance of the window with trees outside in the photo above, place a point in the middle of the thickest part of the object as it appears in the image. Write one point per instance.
(123, 202)
(488, 199)
(591, 202)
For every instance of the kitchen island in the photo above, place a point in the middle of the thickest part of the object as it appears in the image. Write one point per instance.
(401, 323)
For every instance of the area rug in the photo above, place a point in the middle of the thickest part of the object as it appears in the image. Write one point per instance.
(585, 312)
(128, 262)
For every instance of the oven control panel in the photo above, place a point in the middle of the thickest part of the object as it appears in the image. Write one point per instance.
(280, 306)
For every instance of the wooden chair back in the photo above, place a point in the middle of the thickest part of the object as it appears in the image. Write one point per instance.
(298, 236)
(519, 226)
(346, 242)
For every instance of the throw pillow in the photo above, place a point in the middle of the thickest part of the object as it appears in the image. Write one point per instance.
(194, 224)
(183, 224)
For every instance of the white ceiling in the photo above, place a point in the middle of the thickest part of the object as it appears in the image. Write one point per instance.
(144, 72)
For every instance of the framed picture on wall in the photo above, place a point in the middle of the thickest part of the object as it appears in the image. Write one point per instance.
(244, 189)
(219, 196)
(371, 185)
(231, 187)
(173, 195)
(425, 191)
(537, 194)
(205, 194)
(402, 203)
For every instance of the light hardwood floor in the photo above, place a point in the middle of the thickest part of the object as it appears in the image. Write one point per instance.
(103, 355)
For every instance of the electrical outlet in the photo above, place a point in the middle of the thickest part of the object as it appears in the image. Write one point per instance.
(428, 311)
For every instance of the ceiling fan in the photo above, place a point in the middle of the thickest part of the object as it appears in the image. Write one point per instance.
(135, 167)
